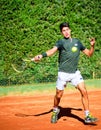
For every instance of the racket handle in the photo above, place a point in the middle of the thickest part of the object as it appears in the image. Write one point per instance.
(33, 59)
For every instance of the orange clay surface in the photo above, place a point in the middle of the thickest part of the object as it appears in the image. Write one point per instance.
(34, 112)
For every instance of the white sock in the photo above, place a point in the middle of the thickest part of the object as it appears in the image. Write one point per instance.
(86, 112)
(55, 109)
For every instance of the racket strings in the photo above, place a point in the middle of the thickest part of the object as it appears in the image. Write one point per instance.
(19, 65)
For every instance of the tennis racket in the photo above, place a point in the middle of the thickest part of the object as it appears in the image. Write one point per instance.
(20, 65)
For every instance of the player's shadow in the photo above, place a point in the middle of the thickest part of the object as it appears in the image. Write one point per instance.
(67, 112)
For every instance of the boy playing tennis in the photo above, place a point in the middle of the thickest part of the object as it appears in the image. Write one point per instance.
(69, 50)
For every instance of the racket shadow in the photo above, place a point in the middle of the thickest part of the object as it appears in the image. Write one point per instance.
(26, 115)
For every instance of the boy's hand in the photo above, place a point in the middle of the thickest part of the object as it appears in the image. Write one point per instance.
(37, 58)
(92, 41)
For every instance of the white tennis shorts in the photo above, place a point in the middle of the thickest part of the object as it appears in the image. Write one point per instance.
(64, 78)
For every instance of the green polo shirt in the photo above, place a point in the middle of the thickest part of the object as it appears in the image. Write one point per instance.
(69, 51)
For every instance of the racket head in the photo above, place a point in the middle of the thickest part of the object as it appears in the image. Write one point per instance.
(19, 65)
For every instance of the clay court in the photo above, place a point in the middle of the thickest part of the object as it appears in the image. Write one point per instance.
(34, 112)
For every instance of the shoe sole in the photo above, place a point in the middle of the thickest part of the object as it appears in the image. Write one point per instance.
(91, 121)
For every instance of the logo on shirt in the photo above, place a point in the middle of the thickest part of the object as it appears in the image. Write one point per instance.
(76, 44)
(74, 49)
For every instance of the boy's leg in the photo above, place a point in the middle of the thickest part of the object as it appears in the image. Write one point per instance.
(60, 84)
(57, 97)
(84, 95)
(56, 110)
(85, 101)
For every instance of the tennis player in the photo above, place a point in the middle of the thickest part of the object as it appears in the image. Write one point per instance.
(69, 51)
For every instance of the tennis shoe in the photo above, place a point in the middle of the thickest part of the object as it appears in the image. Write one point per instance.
(54, 116)
(90, 119)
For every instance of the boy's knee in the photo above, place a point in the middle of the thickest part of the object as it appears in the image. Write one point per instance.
(59, 94)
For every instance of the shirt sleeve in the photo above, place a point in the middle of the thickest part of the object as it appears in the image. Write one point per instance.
(58, 44)
(82, 47)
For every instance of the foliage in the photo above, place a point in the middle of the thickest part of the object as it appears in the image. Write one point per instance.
(29, 27)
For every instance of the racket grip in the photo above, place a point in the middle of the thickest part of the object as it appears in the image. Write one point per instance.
(33, 59)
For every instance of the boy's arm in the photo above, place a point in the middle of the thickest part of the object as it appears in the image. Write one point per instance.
(45, 54)
(89, 52)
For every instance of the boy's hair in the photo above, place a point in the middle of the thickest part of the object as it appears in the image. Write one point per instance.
(64, 25)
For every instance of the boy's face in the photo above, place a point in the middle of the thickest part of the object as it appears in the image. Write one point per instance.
(66, 32)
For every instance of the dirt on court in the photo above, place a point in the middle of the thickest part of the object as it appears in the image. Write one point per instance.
(34, 112)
